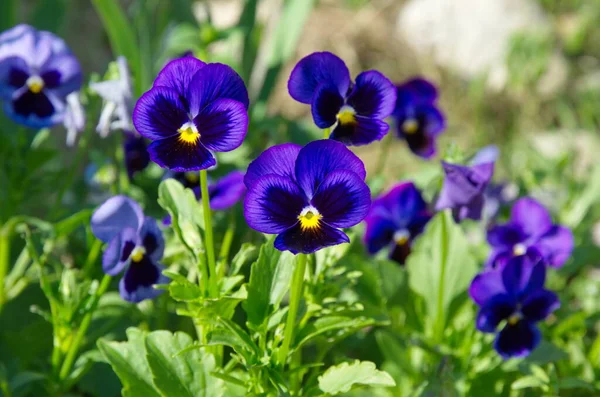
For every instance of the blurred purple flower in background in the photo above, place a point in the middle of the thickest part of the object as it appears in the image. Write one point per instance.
(514, 294)
(37, 73)
(192, 109)
(530, 232)
(136, 153)
(355, 112)
(464, 186)
(305, 195)
(395, 219)
(418, 119)
(135, 245)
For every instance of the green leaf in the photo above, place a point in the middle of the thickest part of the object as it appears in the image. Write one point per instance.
(440, 267)
(128, 360)
(269, 281)
(326, 324)
(8, 14)
(182, 375)
(575, 383)
(527, 382)
(184, 291)
(123, 40)
(246, 253)
(340, 378)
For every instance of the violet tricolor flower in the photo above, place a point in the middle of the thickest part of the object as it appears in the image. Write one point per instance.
(37, 73)
(193, 108)
(136, 153)
(135, 245)
(530, 232)
(418, 119)
(306, 194)
(394, 220)
(354, 112)
(516, 296)
(464, 186)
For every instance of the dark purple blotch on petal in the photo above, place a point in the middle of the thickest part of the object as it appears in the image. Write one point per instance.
(136, 153)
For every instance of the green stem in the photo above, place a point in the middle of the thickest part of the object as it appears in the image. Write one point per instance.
(5, 233)
(386, 144)
(439, 326)
(326, 133)
(208, 229)
(295, 295)
(92, 256)
(226, 246)
(65, 370)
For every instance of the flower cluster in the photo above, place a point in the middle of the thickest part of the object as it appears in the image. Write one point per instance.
(37, 74)
(135, 245)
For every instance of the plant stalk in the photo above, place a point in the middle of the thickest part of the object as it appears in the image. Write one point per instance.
(208, 232)
(295, 296)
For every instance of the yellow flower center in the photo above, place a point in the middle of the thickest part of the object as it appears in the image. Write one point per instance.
(35, 84)
(309, 218)
(410, 126)
(192, 177)
(514, 319)
(137, 254)
(188, 133)
(519, 249)
(346, 115)
(401, 237)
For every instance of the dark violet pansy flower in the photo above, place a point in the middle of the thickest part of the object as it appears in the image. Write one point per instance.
(37, 73)
(515, 299)
(136, 153)
(192, 109)
(464, 186)
(394, 220)
(530, 232)
(135, 245)
(306, 194)
(354, 111)
(418, 119)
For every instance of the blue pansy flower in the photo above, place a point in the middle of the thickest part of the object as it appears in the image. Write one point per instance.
(395, 219)
(418, 119)
(464, 186)
(354, 111)
(37, 73)
(306, 194)
(136, 153)
(192, 109)
(135, 245)
(530, 232)
(514, 299)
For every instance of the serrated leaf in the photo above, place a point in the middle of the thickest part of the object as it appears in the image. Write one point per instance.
(184, 291)
(128, 360)
(269, 280)
(341, 378)
(246, 253)
(186, 374)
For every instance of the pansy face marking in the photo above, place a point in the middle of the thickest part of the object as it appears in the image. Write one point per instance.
(309, 218)
(188, 133)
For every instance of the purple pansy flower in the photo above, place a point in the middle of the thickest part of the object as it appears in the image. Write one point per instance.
(306, 194)
(394, 220)
(530, 232)
(37, 73)
(514, 294)
(135, 245)
(464, 185)
(418, 119)
(136, 153)
(192, 109)
(354, 111)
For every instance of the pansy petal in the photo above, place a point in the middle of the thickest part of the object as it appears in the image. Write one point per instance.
(273, 203)
(504, 237)
(136, 153)
(496, 309)
(462, 184)
(405, 203)
(278, 160)
(116, 214)
(19, 41)
(136, 284)
(556, 245)
(222, 125)
(318, 158)
(326, 104)
(488, 154)
(521, 276)
(343, 199)
(39, 110)
(180, 156)
(14, 73)
(159, 113)
(379, 232)
(539, 305)
(419, 90)
(116, 255)
(227, 191)
(362, 131)
(473, 210)
(299, 241)
(152, 239)
(517, 340)
(531, 216)
(486, 286)
(215, 81)
(62, 74)
(315, 69)
(178, 74)
(373, 95)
